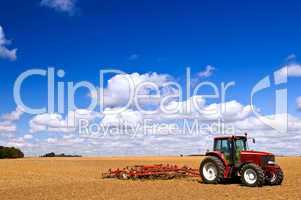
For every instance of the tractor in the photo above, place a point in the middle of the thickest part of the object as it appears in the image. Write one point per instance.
(231, 159)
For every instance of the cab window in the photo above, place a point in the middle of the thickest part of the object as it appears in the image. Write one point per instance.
(222, 145)
(225, 146)
(217, 145)
(240, 145)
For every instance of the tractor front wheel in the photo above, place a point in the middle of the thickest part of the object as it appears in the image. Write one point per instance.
(252, 175)
(212, 170)
(275, 178)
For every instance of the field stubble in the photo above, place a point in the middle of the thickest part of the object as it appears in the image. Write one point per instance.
(80, 178)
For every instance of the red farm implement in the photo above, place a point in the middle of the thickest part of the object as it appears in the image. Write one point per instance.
(158, 171)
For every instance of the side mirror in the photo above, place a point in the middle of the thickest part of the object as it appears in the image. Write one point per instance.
(254, 140)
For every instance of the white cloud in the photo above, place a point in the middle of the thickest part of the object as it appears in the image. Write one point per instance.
(176, 143)
(20, 142)
(207, 72)
(51, 140)
(62, 142)
(14, 115)
(7, 121)
(121, 88)
(228, 111)
(128, 117)
(49, 121)
(27, 137)
(6, 53)
(7, 126)
(55, 122)
(117, 94)
(177, 110)
(188, 111)
(266, 140)
(60, 5)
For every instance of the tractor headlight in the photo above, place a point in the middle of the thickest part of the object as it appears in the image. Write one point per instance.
(271, 162)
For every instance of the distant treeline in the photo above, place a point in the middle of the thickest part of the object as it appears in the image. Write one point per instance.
(52, 154)
(10, 152)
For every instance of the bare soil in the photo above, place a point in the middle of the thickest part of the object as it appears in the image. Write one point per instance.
(80, 178)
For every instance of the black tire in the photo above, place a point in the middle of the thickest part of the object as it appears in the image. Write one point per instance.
(277, 180)
(258, 175)
(219, 166)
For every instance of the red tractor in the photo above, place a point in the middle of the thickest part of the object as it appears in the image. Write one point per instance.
(230, 158)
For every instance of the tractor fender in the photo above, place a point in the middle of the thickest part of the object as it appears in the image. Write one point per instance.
(218, 155)
(240, 166)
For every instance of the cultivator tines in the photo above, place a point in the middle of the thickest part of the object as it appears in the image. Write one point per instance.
(158, 171)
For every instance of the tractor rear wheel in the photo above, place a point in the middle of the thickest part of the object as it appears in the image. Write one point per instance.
(252, 175)
(212, 170)
(275, 178)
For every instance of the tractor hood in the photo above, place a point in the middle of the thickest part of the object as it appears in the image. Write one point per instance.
(258, 157)
(256, 153)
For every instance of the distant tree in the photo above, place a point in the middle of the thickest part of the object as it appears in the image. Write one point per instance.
(52, 154)
(10, 152)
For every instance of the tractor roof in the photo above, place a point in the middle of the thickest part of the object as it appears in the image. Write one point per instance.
(230, 137)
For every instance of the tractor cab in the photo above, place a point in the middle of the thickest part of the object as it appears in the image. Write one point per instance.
(231, 147)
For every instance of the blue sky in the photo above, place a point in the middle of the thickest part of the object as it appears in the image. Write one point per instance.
(243, 40)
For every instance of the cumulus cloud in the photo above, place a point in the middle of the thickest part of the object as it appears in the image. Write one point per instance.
(207, 72)
(7, 126)
(51, 122)
(253, 123)
(19, 142)
(228, 111)
(27, 137)
(6, 53)
(266, 140)
(55, 122)
(193, 108)
(14, 115)
(191, 105)
(52, 140)
(129, 117)
(172, 144)
(196, 108)
(116, 94)
(121, 89)
(67, 6)
(7, 121)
